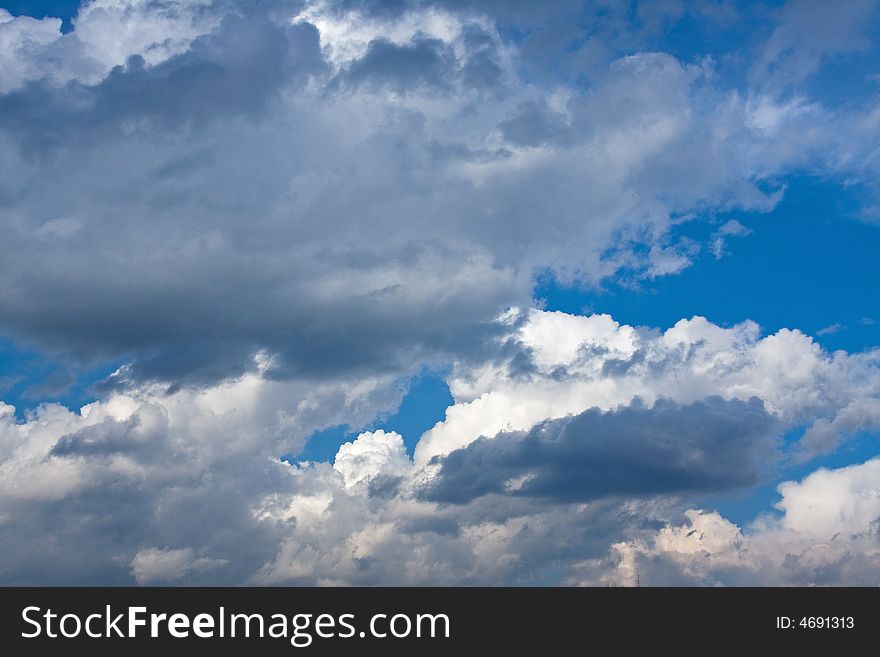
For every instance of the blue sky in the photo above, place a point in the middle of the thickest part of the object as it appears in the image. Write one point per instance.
(424, 404)
(804, 264)
(443, 293)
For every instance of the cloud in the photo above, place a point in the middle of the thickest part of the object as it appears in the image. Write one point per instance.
(20, 37)
(558, 365)
(86, 496)
(826, 534)
(622, 430)
(831, 329)
(810, 31)
(106, 34)
(535, 123)
(235, 70)
(398, 68)
(353, 195)
(731, 228)
(706, 446)
(370, 455)
(166, 565)
(825, 435)
(274, 216)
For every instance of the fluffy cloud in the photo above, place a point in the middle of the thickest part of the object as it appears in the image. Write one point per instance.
(631, 452)
(87, 496)
(162, 485)
(275, 215)
(827, 533)
(371, 455)
(353, 188)
(559, 365)
(106, 34)
(20, 37)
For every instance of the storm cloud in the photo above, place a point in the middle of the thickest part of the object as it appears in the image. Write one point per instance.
(707, 446)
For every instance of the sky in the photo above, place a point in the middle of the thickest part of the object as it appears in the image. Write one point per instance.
(443, 292)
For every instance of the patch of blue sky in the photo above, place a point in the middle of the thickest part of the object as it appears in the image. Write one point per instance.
(810, 264)
(847, 82)
(725, 32)
(424, 405)
(29, 378)
(714, 31)
(743, 506)
(63, 9)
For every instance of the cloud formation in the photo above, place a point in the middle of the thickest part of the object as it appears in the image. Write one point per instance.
(162, 485)
(559, 365)
(352, 188)
(275, 215)
(826, 534)
(635, 451)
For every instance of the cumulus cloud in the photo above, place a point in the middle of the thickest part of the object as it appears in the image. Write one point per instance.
(87, 496)
(559, 365)
(705, 446)
(274, 215)
(370, 455)
(106, 33)
(371, 185)
(20, 37)
(826, 534)
(161, 485)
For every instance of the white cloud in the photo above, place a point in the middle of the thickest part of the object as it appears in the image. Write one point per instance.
(827, 534)
(831, 502)
(731, 228)
(371, 454)
(407, 193)
(346, 35)
(153, 565)
(195, 469)
(831, 329)
(187, 465)
(106, 33)
(809, 31)
(113, 30)
(20, 37)
(824, 435)
(575, 363)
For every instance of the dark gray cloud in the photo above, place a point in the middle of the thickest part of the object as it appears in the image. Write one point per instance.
(233, 71)
(191, 251)
(425, 63)
(666, 449)
(109, 437)
(534, 124)
(428, 64)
